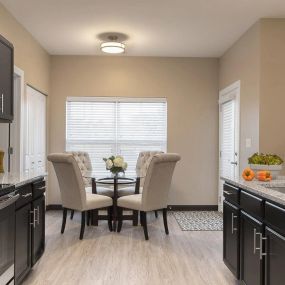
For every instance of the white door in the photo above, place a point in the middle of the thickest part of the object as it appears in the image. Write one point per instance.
(35, 141)
(229, 135)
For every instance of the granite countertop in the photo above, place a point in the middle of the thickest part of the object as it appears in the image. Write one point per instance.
(259, 188)
(19, 179)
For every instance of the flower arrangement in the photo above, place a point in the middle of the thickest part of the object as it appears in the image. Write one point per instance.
(115, 164)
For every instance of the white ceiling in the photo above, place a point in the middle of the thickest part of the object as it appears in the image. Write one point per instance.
(183, 28)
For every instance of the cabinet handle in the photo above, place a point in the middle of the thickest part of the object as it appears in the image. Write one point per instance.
(228, 193)
(260, 248)
(35, 217)
(33, 222)
(38, 210)
(2, 103)
(41, 188)
(27, 195)
(261, 253)
(255, 233)
(233, 228)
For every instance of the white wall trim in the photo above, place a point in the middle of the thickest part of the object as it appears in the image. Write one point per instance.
(113, 99)
(21, 125)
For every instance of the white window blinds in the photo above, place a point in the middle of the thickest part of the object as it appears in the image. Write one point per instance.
(106, 126)
(227, 138)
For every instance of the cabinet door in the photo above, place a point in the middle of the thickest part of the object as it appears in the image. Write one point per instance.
(275, 258)
(6, 81)
(251, 258)
(38, 236)
(22, 243)
(231, 238)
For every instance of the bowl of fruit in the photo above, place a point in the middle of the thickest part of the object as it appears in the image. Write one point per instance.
(266, 162)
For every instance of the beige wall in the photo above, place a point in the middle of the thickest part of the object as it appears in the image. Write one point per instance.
(272, 95)
(191, 89)
(242, 62)
(29, 55)
(257, 59)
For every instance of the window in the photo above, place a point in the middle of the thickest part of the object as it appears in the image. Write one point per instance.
(106, 126)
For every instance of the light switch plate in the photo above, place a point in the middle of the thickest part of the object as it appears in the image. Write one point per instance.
(247, 143)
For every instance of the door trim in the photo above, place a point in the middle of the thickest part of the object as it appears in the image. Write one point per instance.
(19, 127)
(224, 96)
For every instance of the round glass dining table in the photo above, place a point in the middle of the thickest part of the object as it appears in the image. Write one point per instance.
(115, 181)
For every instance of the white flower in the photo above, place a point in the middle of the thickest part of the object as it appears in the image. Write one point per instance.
(109, 164)
(118, 161)
(125, 165)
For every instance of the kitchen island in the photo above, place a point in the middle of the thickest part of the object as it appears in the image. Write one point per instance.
(254, 230)
(29, 212)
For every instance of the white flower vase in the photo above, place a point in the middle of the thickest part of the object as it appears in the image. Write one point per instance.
(274, 169)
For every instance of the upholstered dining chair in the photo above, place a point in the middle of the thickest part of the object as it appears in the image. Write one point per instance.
(155, 190)
(142, 165)
(84, 162)
(72, 189)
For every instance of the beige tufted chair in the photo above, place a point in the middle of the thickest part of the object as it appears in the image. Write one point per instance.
(155, 190)
(83, 160)
(143, 162)
(72, 189)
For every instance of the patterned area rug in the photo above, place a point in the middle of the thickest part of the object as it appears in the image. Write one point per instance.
(199, 220)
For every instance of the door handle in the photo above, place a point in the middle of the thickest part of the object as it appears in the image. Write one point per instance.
(234, 162)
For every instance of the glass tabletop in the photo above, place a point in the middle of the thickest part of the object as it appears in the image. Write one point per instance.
(122, 178)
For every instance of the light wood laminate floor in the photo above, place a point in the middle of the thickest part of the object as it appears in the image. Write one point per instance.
(192, 258)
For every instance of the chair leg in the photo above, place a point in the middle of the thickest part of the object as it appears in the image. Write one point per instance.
(83, 214)
(88, 218)
(164, 212)
(144, 224)
(135, 218)
(110, 218)
(95, 214)
(156, 213)
(120, 219)
(64, 214)
(71, 214)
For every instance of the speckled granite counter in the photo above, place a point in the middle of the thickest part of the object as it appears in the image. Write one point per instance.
(19, 179)
(259, 188)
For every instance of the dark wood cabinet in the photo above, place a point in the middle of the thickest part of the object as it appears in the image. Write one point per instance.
(231, 237)
(275, 257)
(38, 232)
(23, 243)
(6, 80)
(29, 229)
(254, 237)
(251, 250)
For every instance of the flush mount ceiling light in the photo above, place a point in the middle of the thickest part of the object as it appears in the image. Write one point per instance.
(113, 46)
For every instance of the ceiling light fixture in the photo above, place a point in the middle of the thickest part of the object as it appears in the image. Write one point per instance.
(113, 46)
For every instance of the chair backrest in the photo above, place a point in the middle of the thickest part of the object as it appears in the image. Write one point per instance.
(158, 180)
(83, 160)
(143, 162)
(70, 180)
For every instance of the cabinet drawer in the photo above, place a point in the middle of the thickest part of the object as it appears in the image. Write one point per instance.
(39, 188)
(275, 217)
(26, 195)
(251, 204)
(231, 193)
